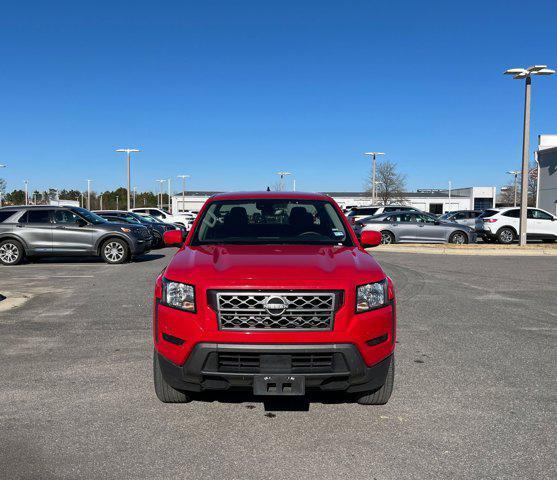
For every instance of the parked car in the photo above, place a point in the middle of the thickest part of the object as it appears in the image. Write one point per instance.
(184, 219)
(464, 217)
(503, 225)
(273, 293)
(403, 227)
(359, 213)
(36, 231)
(169, 226)
(156, 228)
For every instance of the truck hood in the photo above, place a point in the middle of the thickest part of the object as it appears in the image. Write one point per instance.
(284, 265)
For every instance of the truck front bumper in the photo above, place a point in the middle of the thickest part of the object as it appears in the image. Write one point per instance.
(326, 367)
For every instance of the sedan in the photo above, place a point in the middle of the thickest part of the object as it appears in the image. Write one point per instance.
(408, 227)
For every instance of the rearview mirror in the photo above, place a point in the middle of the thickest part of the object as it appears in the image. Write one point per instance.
(173, 238)
(370, 238)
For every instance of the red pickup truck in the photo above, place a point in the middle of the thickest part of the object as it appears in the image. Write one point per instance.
(272, 292)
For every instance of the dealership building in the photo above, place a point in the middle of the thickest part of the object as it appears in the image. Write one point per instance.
(546, 157)
(434, 201)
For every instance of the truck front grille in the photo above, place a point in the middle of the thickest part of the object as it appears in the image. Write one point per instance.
(302, 362)
(276, 310)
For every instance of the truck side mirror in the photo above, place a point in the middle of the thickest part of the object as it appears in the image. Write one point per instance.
(370, 238)
(173, 238)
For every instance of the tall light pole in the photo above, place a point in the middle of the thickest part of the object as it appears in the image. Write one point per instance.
(183, 177)
(281, 181)
(373, 188)
(88, 194)
(515, 173)
(128, 152)
(134, 195)
(101, 200)
(26, 182)
(293, 184)
(117, 203)
(1, 166)
(526, 74)
(169, 208)
(160, 185)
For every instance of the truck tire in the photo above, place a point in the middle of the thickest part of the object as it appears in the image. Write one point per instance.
(11, 252)
(380, 396)
(115, 251)
(165, 393)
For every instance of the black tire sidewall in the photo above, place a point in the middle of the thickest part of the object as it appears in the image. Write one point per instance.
(503, 230)
(454, 234)
(385, 233)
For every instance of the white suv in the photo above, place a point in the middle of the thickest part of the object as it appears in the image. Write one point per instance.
(503, 224)
(183, 218)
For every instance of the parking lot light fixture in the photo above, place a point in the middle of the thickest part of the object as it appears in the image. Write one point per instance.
(515, 173)
(89, 194)
(1, 166)
(183, 177)
(373, 156)
(160, 193)
(526, 74)
(117, 203)
(26, 183)
(281, 181)
(128, 152)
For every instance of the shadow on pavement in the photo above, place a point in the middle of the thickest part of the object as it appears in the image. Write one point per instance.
(79, 259)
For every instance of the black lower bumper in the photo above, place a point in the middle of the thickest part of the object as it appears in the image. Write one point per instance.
(324, 367)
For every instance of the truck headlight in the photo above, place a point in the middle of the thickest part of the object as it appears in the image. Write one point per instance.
(371, 296)
(178, 295)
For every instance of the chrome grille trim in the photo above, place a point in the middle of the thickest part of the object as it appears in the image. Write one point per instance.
(246, 310)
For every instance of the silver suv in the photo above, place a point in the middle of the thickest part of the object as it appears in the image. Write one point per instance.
(37, 231)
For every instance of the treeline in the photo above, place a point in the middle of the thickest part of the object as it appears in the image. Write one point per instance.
(109, 200)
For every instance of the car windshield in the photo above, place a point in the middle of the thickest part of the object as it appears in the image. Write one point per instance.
(271, 221)
(151, 219)
(89, 216)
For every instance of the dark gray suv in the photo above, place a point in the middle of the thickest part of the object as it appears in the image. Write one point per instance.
(37, 231)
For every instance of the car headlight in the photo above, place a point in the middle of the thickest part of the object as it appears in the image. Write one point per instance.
(372, 296)
(178, 295)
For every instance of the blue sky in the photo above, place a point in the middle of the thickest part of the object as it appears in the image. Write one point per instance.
(232, 91)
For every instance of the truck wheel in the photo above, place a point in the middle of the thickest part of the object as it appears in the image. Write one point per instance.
(166, 393)
(387, 238)
(505, 235)
(380, 396)
(115, 251)
(11, 252)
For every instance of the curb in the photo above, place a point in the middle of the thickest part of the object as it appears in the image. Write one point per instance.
(513, 251)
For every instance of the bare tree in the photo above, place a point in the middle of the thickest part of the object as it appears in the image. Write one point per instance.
(390, 184)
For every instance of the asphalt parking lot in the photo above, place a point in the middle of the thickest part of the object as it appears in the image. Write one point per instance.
(475, 389)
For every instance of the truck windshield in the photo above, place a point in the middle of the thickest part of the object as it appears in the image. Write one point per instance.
(271, 221)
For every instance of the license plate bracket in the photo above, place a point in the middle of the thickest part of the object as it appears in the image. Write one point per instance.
(279, 385)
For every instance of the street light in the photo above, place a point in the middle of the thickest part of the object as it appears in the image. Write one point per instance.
(26, 182)
(134, 195)
(519, 74)
(373, 188)
(515, 173)
(89, 194)
(117, 203)
(160, 184)
(183, 177)
(169, 208)
(128, 152)
(1, 166)
(281, 182)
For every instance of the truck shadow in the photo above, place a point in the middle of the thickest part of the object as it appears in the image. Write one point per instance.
(85, 260)
(278, 403)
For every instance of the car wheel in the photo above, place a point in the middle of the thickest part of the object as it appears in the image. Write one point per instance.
(157, 240)
(459, 238)
(166, 393)
(115, 251)
(387, 238)
(505, 235)
(11, 252)
(380, 396)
